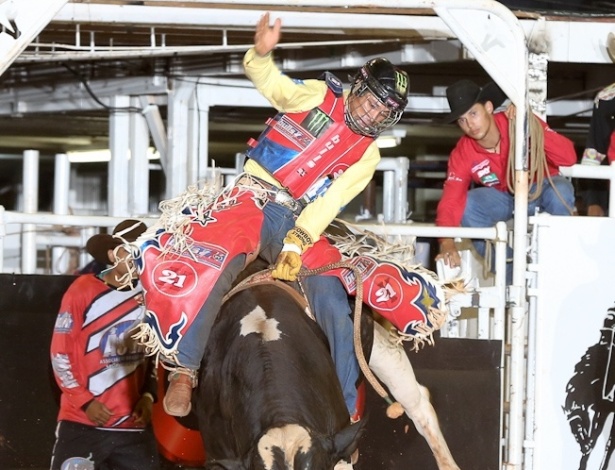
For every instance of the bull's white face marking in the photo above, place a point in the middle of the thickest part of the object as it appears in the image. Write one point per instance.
(257, 322)
(291, 439)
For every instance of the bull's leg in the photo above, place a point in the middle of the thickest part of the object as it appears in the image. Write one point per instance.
(391, 365)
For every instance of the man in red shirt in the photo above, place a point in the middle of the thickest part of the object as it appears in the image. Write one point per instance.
(476, 191)
(107, 384)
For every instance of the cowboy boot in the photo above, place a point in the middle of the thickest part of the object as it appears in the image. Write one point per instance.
(178, 398)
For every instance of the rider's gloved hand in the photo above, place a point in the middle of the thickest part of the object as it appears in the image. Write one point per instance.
(288, 264)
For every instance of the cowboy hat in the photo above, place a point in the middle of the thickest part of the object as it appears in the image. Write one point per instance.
(464, 94)
(126, 231)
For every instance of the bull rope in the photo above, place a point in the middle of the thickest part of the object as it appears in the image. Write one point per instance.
(394, 410)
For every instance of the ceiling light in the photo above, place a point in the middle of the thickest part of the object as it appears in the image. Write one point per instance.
(390, 138)
(103, 155)
(387, 141)
(89, 156)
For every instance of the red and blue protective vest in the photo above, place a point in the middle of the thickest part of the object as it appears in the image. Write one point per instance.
(306, 151)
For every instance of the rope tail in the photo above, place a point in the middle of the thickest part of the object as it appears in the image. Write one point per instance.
(538, 160)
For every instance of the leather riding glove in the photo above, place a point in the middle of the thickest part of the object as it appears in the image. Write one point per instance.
(288, 263)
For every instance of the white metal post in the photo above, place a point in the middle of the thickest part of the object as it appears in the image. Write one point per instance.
(501, 243)
(202, 129)
(180, 96)
(138, 189)
(61, 184)
(2, 235)
(193, 140)
(30, 206)
(151, 112)
(119, 137)
(388, 196)
(395, 188)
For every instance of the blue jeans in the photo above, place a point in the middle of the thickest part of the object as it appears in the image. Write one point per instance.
(486, 206)
(327, 297)
(329, 302)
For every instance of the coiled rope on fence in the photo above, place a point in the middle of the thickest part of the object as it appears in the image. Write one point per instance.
(538, 169)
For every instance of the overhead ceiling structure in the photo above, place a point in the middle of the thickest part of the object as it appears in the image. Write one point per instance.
(60, 94)
(57, 96)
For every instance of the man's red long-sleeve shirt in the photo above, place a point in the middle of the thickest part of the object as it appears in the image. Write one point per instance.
(470, 163)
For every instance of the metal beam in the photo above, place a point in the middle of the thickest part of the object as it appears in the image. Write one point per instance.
(581, 40)
(21, 22)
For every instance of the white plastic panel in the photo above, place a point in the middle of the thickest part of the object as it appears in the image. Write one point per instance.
(575, 288)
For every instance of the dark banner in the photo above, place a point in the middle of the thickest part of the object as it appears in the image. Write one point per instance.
(463, 377)
(29, 397)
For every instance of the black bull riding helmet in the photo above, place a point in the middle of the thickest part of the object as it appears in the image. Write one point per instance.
(389, 85)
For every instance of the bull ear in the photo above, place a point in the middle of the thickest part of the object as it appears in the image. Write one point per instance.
(225, 464)
(346, 441)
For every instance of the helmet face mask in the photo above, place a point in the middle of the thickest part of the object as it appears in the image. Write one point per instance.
(377, 99)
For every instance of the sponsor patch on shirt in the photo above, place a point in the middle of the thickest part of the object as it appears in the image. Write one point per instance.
(484, 173)
(118, 347)
(64, 323)
(64, 370)
(453, 177)
(489, 180)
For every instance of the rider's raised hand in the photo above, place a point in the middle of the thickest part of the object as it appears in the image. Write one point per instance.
(266, 37)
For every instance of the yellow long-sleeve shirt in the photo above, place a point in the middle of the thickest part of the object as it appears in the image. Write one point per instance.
(288, 96)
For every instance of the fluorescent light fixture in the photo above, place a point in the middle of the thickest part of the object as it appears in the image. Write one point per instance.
(387, 141)
(89, 156)
(103, 155)
(390, 138)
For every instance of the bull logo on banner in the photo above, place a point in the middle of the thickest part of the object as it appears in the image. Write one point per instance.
(590, 395)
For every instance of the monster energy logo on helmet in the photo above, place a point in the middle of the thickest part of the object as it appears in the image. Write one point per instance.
(401, 83)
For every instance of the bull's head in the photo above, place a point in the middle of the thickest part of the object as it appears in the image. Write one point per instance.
(293, 447)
